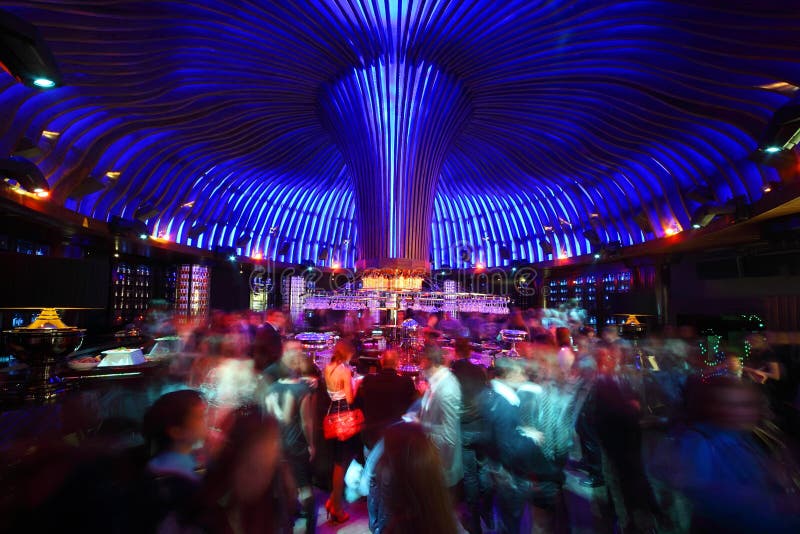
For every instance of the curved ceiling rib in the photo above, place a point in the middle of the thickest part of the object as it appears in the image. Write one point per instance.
(257, 123)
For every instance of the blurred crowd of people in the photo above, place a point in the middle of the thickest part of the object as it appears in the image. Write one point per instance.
(669, 435)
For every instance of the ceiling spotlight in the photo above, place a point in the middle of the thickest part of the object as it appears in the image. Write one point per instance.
(766, 188)
(597, 255)
(143, 236)
(145, 212)
(231, 258)
(44, 83)
(706, 213)
(113, 175)
(548, 228)
(783, 130)
(25, 55)
(25, 173)
(50, 136)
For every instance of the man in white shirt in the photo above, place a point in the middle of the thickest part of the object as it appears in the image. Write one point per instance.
(441, 413)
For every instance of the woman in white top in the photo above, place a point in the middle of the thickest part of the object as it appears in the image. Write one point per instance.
(339, 382)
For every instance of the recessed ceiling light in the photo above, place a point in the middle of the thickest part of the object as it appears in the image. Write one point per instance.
(772, 149)
(47, 134)
(113, 174)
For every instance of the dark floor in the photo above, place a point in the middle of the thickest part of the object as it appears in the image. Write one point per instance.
(580, 502)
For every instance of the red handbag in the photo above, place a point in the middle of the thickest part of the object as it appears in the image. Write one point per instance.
(342, 425)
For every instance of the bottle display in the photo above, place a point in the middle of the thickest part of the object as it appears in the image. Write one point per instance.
(192, 290)
(131, 292)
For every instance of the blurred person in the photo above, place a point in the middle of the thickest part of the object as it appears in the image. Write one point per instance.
(733, 365)
(173, 427)
(513, 457)
(585, 364)
(616, 411)
(431, 333)
(440, 412)
(408, 492)
(549, 408)
(586, 425)
(248, 488)
(286, 365)
(736, 478)
(289, 399)
(339, 382)
(452, 327)
(473, 380)
(384, 398)
(566, 356)
(763, 364)
(267, 343)
(516, 321)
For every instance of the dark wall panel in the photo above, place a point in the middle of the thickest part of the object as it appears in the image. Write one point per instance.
(53, 282)
(230, 290)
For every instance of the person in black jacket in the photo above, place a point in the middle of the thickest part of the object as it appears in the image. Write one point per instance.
(473, 381)
(267, 344)
(383, 397)
(514, 458)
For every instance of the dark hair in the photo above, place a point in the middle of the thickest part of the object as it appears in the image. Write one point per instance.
(562, 336)
(433, 353)
(463, 347)
(170, 410)
(505, 366)
(411, 479)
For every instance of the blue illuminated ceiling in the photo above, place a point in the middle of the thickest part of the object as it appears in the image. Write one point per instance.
(416, 130)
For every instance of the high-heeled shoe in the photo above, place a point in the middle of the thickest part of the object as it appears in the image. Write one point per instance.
(337, 517)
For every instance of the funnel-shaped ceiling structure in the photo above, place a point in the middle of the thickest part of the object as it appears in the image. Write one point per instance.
(395, 124)
(384, 132)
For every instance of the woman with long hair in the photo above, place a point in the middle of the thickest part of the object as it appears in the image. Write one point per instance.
(407, 492)
(339, 382)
